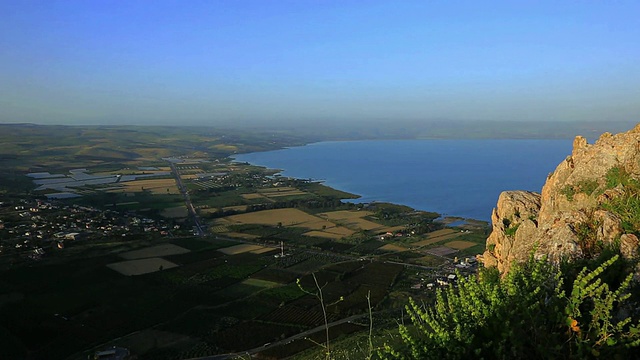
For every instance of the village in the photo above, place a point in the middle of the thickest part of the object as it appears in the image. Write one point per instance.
(34, 228)
(258, 233)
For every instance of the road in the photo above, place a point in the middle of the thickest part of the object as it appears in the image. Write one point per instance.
(249, 353)
(187, 199)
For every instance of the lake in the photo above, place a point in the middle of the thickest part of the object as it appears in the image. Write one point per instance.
(452, 177)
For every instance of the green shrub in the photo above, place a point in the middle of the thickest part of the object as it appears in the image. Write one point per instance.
(511, 231)
(527, 314)
(626, 206)
(568, 191)
(587, 233)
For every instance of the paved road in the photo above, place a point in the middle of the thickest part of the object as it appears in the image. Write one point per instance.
(187, 199)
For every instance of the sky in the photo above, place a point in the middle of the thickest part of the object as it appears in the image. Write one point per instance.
(268, 61)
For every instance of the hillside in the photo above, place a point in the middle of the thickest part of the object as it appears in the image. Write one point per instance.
(589, 202)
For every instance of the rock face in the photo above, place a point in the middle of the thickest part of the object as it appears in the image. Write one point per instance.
(571, 218)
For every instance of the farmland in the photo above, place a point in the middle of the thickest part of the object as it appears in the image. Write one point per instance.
(122, 266)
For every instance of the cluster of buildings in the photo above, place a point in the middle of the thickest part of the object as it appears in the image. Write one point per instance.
(448, 274)
(33, 227)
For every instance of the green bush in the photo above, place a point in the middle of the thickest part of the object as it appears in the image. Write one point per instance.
(626, 206)
(511, 231)
(568, 191)
(527, 314)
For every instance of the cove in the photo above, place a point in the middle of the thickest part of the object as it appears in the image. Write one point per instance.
(452, 177)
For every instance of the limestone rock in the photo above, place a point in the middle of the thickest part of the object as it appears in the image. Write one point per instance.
(568, 217)
(629, 245)
(512, 216)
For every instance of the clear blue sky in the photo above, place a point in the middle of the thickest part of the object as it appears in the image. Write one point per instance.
(208, 62)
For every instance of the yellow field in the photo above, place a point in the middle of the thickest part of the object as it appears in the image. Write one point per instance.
(175, 212)
(154, 251)
(393, 247)
(460, 244)
(288, 193)
(288, 217)
(291, 217)
(265, 249)
(274, 193)
(438, 236)
(219, 229)
(363, 224)
(427, 242)
(252, 196)
(240, 249)
(238, 235)
(352, 219)
(441, 232)
(156, 186)
(260, 283)
(339, 230)
(188, 177)
(141, 266)
(276, 190)
(222, 221)
(235, 208)
(323, 234)
(281, 191)
(345, 214)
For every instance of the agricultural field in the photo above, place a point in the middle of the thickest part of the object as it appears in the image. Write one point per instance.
(175, 296)
(460, 244)
(154, 186)
(175, 212)
(393, 248)
(442, 251)
(141, 266)
(326, 234)
(284, 217)
(243, 248)
(280, 191)
(331, 226)
(154, 251)
(352, 219)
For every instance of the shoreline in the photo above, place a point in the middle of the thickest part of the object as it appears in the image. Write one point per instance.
(449, 177)
(446, 220)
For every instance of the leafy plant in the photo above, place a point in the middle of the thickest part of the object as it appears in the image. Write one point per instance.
(511, 230)
(568, 191)
(587, 187)
(525, 315)
(587, 233)
(627, 206)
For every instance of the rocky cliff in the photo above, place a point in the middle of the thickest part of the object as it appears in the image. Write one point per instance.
(590, 201)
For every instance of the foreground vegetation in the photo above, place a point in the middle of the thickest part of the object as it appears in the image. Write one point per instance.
(537, 311)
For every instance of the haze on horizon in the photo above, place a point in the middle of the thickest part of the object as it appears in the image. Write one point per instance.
(265, 62)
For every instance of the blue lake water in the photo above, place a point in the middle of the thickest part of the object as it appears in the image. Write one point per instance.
(452, 177)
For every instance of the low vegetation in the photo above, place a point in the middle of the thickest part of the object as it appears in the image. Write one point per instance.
(627, 204)
(536, 311)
